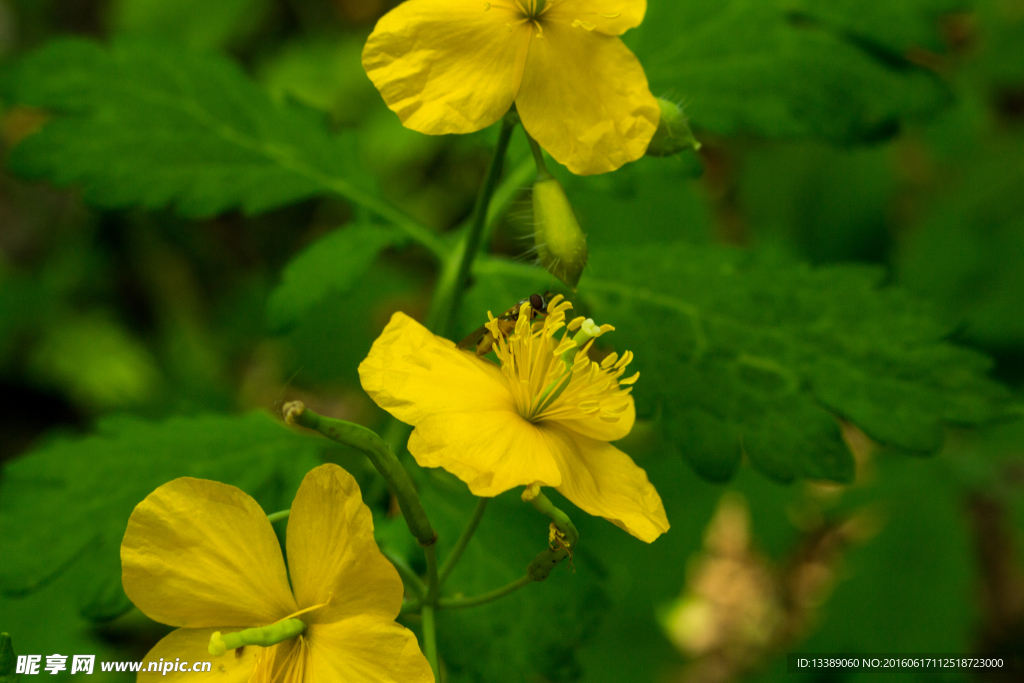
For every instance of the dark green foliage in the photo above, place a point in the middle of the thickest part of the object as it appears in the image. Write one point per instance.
(742, 353)
(151, 125)
(536, 631)
(8, 660)
(66, 505)
(969, 253)
(791, 70)
(331, 266)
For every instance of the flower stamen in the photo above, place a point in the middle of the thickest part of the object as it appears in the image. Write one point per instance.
(551, 376)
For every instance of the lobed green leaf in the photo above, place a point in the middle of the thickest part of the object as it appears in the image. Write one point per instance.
(332, 265)
(66, 504)
(802, 69)
(152, 125)
(743, 354)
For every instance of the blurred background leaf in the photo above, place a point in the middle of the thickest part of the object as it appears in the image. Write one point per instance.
(877, 141)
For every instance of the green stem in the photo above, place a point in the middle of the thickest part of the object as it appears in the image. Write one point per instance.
(538, 158)
(367, 441)
(491, 596)
(460, 545)
(409, 577)
(278, 516)
(561, 520)
(427, 611)
(455, 274)
(430, 640)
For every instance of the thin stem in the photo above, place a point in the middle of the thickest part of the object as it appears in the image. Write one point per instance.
(367, 441)
(430, 640)
(455, 274)
(560, 519)
(278, 516)
(460, 545)
(491, 596)
(427, 611)
(409, 578)
(538, 158)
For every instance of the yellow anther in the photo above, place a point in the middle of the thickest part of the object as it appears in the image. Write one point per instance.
(585, 25)
(616, 15)
(609, 360)
(575, 324)
(630, 380)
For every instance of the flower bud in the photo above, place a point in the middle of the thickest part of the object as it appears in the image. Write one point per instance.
(561, 244)
(673, 134)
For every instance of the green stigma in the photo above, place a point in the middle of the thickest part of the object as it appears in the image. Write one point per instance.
(264, 636)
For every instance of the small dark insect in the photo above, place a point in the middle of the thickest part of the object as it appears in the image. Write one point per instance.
(482, 337)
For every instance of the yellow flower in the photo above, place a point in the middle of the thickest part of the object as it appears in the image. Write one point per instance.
(202, 555)
(544, 416)
(456, 66)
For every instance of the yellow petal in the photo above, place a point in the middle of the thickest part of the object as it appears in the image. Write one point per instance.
(492, 451)
(448, 66)
(585, 99)
(596, 428)
(189, 645)
(366, 649)
(602, 480)
(413, 374)
(332, 554)
(199, 553)
(613, 17)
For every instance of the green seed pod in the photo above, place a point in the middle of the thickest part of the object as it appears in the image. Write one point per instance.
(673, 134)
(561, 244)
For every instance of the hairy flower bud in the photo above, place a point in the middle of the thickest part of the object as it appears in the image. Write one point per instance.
(673, 134)
(561, 244)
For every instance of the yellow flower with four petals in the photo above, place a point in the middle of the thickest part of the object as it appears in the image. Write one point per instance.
(456, 66)
(202, 556)
(543, 416)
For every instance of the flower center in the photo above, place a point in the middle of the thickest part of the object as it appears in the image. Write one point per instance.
(532, 8)
(551, 377)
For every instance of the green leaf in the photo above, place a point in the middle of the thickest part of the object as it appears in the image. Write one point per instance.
(892, 25)
(757, 67)
(743, 354)
(532, 634)
(968, 253)
(331, 266)
(151, 125)
(66, 504)
(325, 73)
(8, 662)
(196, 23)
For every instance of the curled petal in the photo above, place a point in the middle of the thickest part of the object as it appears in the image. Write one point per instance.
(414, 374)
(200, 553)
(491, 451)
(448, 67)
(366, 649)
(585, 99)
(613, 17)
(332, 555)
(602, 480)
